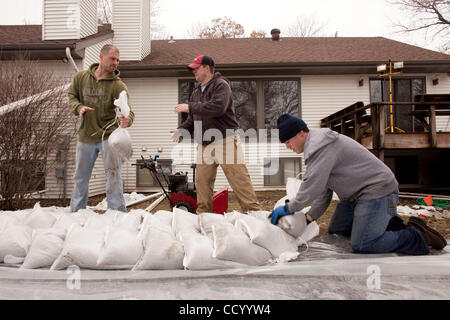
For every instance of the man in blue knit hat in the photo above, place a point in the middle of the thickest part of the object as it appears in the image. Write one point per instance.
(367, 189)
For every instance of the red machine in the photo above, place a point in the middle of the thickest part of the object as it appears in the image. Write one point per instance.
(182, 194)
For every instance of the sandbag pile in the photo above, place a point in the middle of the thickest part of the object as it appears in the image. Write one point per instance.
(55, 239)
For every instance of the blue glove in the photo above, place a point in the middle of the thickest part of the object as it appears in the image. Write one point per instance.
(278, 213)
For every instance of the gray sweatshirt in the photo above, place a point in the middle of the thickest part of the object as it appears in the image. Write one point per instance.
(335, 162)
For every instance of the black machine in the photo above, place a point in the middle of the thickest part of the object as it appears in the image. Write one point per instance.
(182, 194)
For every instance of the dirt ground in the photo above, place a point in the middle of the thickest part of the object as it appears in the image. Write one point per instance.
(267, 200)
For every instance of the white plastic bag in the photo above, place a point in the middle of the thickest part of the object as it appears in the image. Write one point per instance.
(120, 143)
(46, 245)
(120, 139)
(40, 218)
(121, 249)
(82, 247)
(266, 235)
(122, 103)
(161, 249)
(15, 240)
(198, 253)
(231, 243)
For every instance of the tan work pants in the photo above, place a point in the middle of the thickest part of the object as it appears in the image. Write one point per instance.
(228, 154)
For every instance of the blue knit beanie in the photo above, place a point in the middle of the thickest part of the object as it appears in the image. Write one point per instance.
(289, 126)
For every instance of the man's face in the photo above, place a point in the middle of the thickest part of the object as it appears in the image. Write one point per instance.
(201, 73)
(297, 142)
(110, 60)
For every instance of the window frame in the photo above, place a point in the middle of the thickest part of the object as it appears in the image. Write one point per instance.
(260, 116)
(393, 79)
(282, 171)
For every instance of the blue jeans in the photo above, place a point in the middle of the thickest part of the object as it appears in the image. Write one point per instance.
(86, 155)
(365, 221)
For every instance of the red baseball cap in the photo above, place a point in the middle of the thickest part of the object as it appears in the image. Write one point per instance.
(201, 60)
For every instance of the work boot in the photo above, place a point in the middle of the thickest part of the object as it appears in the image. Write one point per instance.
(433, 238)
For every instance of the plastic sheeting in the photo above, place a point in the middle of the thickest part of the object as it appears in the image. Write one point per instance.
(326, 269)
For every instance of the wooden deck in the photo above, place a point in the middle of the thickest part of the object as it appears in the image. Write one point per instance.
(367, 124)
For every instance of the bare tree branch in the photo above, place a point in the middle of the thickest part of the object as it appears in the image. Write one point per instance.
(431, 16)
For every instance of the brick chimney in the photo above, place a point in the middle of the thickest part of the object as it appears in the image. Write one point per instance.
(275, 34)
(68, 19)
(131, 25)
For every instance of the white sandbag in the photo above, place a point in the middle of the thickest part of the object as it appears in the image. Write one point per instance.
(162, 220)
(184, 222)
(10, 259)
(281, 202)
(120, 143)
(15, 240)
(46, 245)
(103, 220)
(292, 187)
(161, 249)
(206, 221)
(40, 218)
(231, 243)
(121, 249)
(198, 254)
(64, 221)
(6, 220)
(129, 221)
(19, 216)
(82, 247)
(266, 235)
(122, 103)
(120, 140)
(312, 230)
(294, 224)
(231, 216)
(262, 214)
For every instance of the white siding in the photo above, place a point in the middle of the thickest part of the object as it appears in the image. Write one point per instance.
(325, 95)
(442, 123)
(131, 25)
(68, 19)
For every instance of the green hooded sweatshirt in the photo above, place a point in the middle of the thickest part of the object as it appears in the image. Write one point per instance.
(86, 90)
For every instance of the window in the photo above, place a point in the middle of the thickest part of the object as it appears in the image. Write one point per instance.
(280, 96)
(144, 177)
(403, 90)
(257, 102)
(277, 171)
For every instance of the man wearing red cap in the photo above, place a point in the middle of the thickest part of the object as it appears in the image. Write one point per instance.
(211, 108)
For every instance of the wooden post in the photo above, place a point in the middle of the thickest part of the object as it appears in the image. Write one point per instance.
(375, 127)
(433, 136)
(357, 127)
(381, 128)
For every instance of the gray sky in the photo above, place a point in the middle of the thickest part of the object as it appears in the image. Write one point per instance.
(350, 18)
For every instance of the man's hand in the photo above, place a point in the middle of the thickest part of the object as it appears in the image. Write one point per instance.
(309, 219)
(278, 213)
(183, 107)
(123, 122)
(176, 136)
(84, 109)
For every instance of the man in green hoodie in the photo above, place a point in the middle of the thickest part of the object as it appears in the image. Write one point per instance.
(91, 97)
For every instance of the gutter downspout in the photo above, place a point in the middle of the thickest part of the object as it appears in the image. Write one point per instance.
(72, 62)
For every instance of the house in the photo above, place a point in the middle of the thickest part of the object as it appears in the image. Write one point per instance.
(310, 77)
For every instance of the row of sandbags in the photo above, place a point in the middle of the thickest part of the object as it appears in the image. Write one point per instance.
(54, 238)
